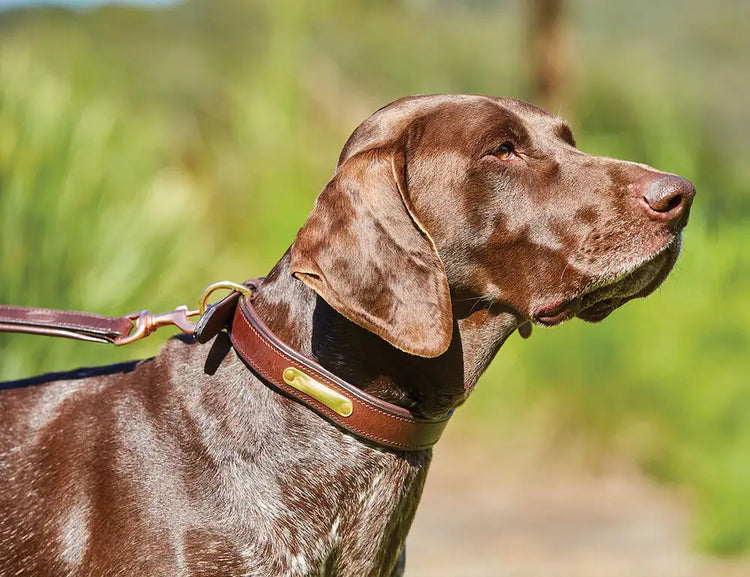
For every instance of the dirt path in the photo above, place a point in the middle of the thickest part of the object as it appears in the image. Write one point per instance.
(490, 511)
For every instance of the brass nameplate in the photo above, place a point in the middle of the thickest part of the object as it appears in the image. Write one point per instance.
(318, 391)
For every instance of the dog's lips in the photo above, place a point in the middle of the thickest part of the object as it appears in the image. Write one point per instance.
(560, 311)
(600, 310)
(554, 313)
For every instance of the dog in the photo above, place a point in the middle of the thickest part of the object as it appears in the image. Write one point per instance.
(451, 222)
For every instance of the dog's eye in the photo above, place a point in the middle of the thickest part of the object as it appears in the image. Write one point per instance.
(505, 151)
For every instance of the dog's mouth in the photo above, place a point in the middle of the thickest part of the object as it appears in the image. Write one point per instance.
(602, 296)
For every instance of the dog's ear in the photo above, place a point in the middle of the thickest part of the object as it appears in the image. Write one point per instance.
(365, 252)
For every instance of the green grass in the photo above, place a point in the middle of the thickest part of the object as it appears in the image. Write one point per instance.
(146, 154)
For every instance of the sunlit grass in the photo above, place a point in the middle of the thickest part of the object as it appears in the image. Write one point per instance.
(93, 215)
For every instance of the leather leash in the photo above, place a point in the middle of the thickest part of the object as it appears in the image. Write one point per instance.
(276, 364)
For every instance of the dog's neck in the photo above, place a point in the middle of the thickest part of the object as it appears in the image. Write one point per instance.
(427, 387)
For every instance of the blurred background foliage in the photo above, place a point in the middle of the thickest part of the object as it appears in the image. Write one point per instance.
(146, 153)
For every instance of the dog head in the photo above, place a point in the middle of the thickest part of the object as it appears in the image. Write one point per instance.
(470, 197)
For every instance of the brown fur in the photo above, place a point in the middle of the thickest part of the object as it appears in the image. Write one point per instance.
(427, 249)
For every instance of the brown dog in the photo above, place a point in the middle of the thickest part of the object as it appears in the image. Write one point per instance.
(451, 221)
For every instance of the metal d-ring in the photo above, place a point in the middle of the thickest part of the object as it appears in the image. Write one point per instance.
(221, 285)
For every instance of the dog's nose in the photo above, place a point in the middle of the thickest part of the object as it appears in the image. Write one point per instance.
(669, 198)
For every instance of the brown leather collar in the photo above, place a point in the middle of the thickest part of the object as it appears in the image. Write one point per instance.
(278, 365)
(305, 381)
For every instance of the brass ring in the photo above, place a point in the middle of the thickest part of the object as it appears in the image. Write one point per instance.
(222, 284)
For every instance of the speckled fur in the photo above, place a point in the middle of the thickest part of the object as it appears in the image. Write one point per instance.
(160, 468)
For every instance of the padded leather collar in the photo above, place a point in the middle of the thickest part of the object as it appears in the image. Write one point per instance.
(364, 415)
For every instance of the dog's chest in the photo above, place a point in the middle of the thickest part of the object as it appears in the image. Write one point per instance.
(321, 514)
(345, 512)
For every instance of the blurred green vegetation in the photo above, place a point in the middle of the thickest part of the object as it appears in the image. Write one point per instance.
(144, 154)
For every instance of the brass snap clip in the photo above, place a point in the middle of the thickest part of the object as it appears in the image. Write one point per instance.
(146, 323)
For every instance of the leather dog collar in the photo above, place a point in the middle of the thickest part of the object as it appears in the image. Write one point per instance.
(305, 381)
